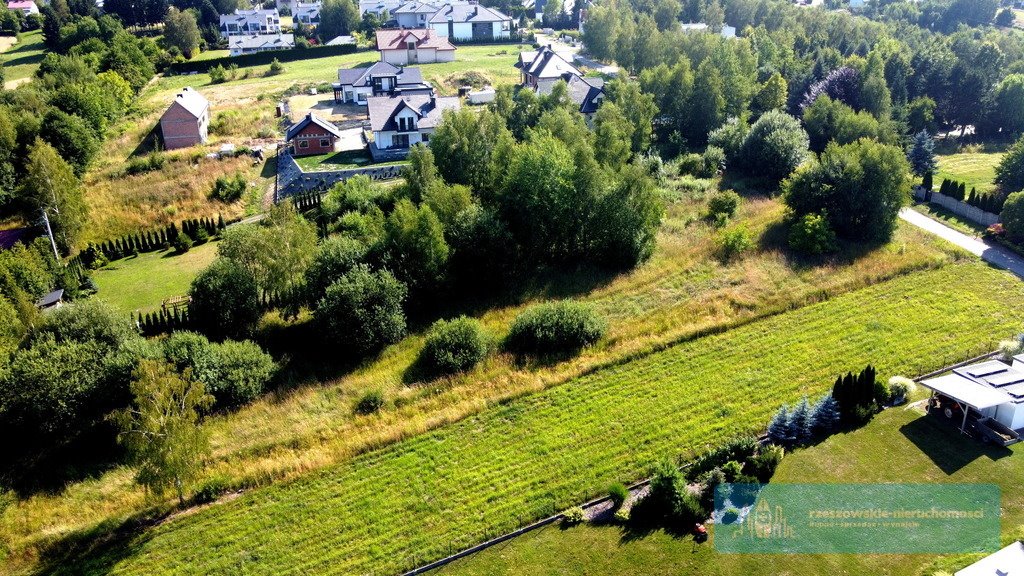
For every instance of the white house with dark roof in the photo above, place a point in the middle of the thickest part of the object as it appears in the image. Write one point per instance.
(307, 13)
(415, 14)
(186, 121)
(248, 22)
(470, 22)
(399, 122)
(542, 69)
(379, 7)
(416, 46)
(355, 85)
(250, 44)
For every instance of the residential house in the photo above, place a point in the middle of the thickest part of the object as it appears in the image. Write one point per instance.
(379, 7)
(344, 40)
(398, 122)
(416, 46)
(987, 395)
(312, 135)
(415, 14)
(355, 85)
(26, 7)
(542, 69)
(726, 31)
(251, 44)
(51, 301)
(471, 22)
(248, 22)
(186, 121)
(307, 13)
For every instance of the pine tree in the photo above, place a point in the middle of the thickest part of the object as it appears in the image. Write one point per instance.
(778, 428)
(800, 422)
(825, 416)
(220, 222)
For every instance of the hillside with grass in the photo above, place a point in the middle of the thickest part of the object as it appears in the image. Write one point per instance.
(423, 497)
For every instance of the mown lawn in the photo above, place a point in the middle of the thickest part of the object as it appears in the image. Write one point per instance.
(22, 59)
(141, 283)
(899, 445)
(422, 497)
(975, 169)
(338, 161)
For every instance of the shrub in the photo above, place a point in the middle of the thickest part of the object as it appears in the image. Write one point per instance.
(732, 469)
(362, 311)
(690, 164)
(573, 516)
(202, 236)
(183, 243)
(564, 327)
(723, 204)
(900, 388)
(812, 234)
(881, 393)
(453, 346)
(370, 402)
(225, 300)
(622, 515)
(712, 162)
(1012, 217)
(229, 189)
(212, 489)
(275, 68)
(762, 465)
(618, 494)
(744, 491)
(734, 242)
(1008, 349)
(738, 449)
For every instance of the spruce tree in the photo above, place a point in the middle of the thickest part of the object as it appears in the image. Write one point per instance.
(778, 428)
(800, 423)
(825, 416)
(220, 222)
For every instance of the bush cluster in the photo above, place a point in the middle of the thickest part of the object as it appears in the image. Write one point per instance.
(812, 234)
(453, 346)
(229, 189)
(556, 328)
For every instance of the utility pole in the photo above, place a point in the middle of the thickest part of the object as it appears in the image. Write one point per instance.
(49, 232)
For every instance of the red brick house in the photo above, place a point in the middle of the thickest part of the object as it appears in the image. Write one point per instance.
(312, 135)
(186, 121)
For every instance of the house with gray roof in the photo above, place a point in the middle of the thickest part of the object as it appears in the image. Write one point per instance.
(247, 22)
(253, 43)
(398, 122)
(470, 21)
(355, 85)
(186, 121)
(542, 69)
(415, 14)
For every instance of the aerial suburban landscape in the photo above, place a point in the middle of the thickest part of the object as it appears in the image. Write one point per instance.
(474, 287)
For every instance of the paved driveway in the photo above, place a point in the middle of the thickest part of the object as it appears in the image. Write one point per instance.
(991, 253)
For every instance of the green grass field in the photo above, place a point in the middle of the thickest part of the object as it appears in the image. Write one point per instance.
(974, 169)
(141, 283)
(338, 161)
(22, 59)
(899, 445)
(422, 497)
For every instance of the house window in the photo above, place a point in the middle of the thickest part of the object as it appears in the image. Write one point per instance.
(303, 144)
(425, 138)
(325, 143)
(400, 141)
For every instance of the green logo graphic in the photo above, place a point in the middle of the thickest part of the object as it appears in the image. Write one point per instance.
(856, 518)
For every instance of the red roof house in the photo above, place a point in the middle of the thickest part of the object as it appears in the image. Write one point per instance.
(312, 135)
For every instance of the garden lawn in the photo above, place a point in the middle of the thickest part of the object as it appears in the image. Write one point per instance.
(338, 161)
(141, 283)
(420, 498)
(975, 169)
(21, 60)
(899, 445)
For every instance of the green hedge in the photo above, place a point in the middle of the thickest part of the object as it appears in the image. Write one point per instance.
(262, 58)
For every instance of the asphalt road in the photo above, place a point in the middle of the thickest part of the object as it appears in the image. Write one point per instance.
(991, 253)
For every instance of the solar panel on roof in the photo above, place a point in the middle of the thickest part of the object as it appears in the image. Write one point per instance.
(1005, 379)
(1017, 390)
(986, 369)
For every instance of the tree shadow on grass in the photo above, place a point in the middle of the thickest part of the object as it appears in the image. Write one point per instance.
(33, 469)
(97, 550)
(947, 448)
(776, 238)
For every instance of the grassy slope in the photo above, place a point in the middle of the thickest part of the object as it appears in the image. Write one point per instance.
(898, 446)
(975, 169)
(309, 424)
(142, 282)
(390, 509)
(22, 60)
